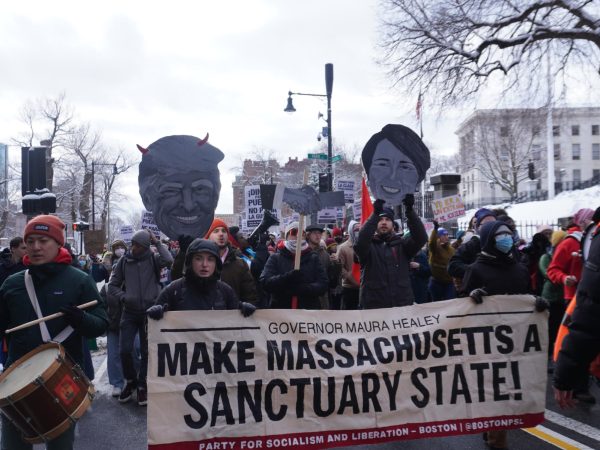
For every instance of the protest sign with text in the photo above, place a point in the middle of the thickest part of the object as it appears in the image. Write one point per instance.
(148, 223)
(253, 207)
(448, 208)
(320, 379)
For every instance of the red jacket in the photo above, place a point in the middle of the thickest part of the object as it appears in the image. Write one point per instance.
(567, 261)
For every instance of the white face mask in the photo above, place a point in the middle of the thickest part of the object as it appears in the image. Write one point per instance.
(120, 252)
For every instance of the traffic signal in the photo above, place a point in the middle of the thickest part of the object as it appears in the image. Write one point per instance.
(81, 226)
(531, 170)
(323, 182)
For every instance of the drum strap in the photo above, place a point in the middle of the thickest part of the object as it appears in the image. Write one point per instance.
(60, 337)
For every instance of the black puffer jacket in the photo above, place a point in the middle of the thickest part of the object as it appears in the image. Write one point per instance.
(495, 272)
(313, 283)
(582, 344)
(181, 296)
(465, 255)
(384, 277)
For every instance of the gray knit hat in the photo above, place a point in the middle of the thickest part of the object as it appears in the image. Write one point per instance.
(141, 237)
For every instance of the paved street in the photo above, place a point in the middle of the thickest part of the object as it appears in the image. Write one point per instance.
(112, 426)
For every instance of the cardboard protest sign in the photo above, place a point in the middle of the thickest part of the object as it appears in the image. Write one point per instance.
(148, 223)
(321, 379)
(448, 208)
(347, 186)
(126, 233)
(180, 183)
(395, 160)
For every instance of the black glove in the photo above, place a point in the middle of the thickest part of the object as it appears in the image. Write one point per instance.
(73, 315)
(247, 309)
(541, 304)
(477, 295)
(184, 242)
(436, 224)
(409, 202)
(294, 277)
(378, 206)
(157, 312)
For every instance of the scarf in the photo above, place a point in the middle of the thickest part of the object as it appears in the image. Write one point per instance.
(290, 245)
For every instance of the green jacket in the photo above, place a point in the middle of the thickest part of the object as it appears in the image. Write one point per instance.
(550, 291)
(56, 285)
(439, 257)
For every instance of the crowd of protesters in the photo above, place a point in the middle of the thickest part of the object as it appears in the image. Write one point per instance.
(376, 265)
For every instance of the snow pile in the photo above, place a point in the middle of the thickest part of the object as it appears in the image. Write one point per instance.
(564, 204)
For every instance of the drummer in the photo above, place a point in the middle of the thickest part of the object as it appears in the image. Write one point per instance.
(59, 287)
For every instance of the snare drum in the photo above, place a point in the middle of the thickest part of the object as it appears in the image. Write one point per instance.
(44, 393)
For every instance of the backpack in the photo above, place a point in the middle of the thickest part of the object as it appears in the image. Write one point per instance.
(155, 266)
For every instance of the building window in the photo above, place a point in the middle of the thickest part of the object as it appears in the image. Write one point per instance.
(535, 131)
(576, 175)
(557, 151)
(504, 131)
(595, 151)
(595, 130)
(536, 153)
(576, 152)
(596, 174)
(574, 130)
(556, 130)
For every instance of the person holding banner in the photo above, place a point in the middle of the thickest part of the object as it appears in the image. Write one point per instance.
(59, 287)
(385, 256)
(282, 281)
(497, 271)
(200, 287)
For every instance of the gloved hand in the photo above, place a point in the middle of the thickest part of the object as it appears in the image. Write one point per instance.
(477, 295)
(247, 309)
(73, 315)
(409, 202)
(378, 206)
(157, 312)
(541, 304)
(436, 224)
(184, 242)
(294, 276)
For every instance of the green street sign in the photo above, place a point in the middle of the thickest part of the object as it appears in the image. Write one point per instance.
(336, 158)
(317, 156)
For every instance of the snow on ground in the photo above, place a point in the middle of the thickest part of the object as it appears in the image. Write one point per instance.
(564, 204)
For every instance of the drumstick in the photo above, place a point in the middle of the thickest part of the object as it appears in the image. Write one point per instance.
(50, 317)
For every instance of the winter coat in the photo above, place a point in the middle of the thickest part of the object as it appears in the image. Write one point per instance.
(314, 283)
(56, 284)
(345, 254)
(582, 344)
(567, 261)
(384, 280)
(439, 257)
(135, 282)
(8, 267)
(495, 272)
(419, 278)
(465, 255)
(181, 296)
(550, 291)
(236, 274)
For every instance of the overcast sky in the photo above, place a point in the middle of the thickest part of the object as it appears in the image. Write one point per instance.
(142, 70)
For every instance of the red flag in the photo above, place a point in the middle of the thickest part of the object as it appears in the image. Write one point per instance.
(366, 204)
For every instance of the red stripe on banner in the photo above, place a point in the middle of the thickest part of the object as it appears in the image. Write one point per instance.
(344, 438)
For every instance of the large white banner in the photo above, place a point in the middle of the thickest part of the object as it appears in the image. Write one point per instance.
(319, 379)
(448, 208)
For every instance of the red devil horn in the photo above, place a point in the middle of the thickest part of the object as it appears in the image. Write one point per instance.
(142, 149)
(203, 141)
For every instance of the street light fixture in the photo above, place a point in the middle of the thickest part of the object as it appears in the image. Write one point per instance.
(328, 88)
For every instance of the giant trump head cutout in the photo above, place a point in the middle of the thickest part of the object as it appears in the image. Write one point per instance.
(395, 161)
(179, 182)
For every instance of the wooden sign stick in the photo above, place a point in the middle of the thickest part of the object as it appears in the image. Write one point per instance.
(50, 317)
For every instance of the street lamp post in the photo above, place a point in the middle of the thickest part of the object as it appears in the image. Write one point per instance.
(328, 89)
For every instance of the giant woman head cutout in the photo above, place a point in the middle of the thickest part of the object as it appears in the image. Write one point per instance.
(395, 161)
(179, 182)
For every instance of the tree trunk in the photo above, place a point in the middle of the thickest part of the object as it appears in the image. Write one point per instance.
(86, 194)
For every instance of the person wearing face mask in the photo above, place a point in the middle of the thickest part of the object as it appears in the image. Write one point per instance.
(496, 271)
(347, 259)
